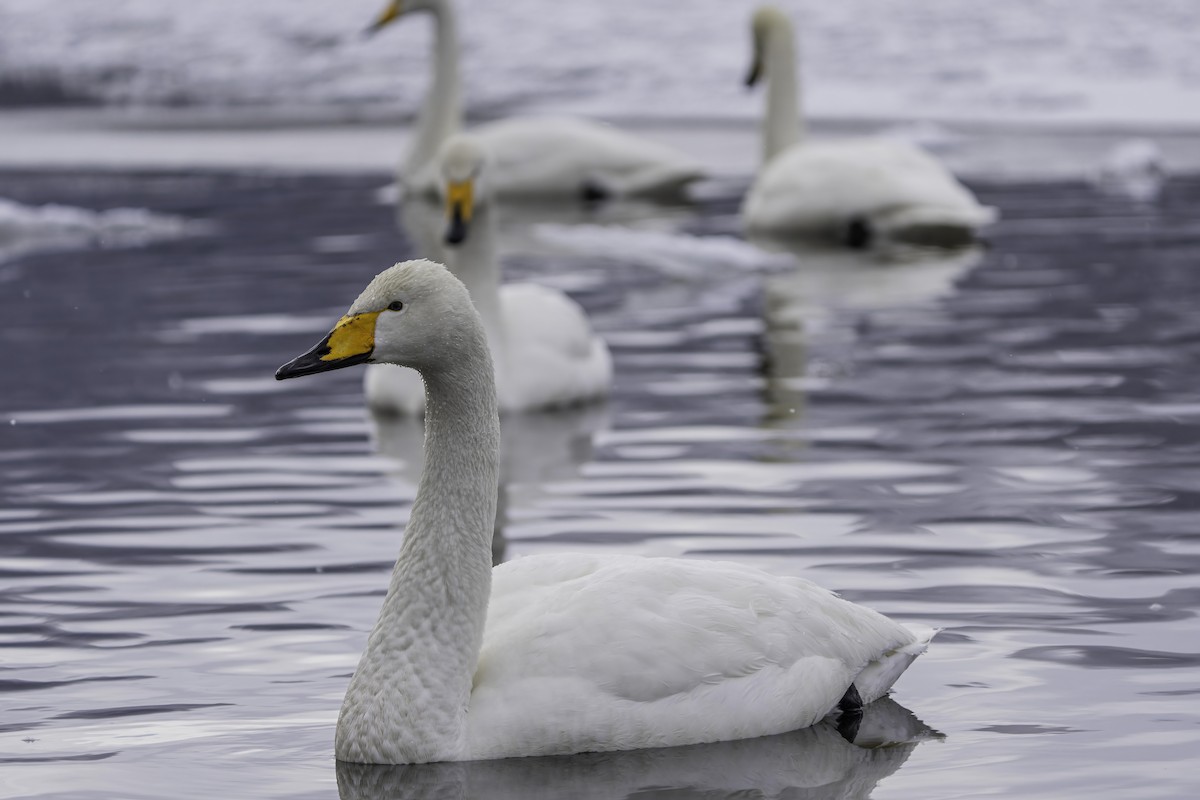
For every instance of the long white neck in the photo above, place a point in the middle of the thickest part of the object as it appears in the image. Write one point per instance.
(782, 127)
(408, 699)
(474, 263)
(441, 114)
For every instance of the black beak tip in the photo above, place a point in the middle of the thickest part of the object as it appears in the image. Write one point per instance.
(290, 370)
(456, 231)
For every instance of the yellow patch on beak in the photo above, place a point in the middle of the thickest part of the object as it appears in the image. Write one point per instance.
(354, 335)
(460, 195)
(393, 10)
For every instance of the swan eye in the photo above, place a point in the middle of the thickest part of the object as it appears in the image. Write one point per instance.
(395, 305)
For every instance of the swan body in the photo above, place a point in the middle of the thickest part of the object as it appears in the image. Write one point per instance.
(533, 157)
(856, 189)
(563, 653)
(543, 346)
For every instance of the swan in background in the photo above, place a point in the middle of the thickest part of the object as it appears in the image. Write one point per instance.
(857, 190)
(816, 763)
(564, 653)
(1134, 169)
(532, 156)
(545, 352)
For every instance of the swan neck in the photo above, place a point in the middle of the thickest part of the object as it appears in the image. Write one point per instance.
(441, 113)
(783, 127)
(474, 263)
(408, 699)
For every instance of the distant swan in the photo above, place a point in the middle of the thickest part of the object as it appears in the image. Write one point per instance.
(532, 156)
(857, 189)
(564, 653)
(545, 352)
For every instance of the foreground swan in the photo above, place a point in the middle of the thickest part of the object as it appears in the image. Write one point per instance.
(855, 190)
(545, 352)
(532, 156)
(579, 653)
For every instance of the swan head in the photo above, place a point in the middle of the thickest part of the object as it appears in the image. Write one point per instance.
(766, 19)
(398, 8)
(462, 164)
(415, 314)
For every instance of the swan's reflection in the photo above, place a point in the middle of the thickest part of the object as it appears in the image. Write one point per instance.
(816, 763)
(817, 301)
(535, 450)
(517, 231)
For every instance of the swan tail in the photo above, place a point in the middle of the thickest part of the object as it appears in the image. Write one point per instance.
(877, 677)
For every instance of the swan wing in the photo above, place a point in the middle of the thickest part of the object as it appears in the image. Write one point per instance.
(611, 653)
(560, 155)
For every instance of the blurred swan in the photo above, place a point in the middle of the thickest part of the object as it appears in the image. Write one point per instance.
(545, 352)
(564, 653)
(532, 156)
(816, 763)
(1134, 169)
(856, 190)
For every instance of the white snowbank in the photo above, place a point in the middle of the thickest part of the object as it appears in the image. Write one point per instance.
(26, 228)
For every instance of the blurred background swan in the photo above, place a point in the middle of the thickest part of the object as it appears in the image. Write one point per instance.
(857, 190)
(543, 346)
(816, 763)
(531, 156)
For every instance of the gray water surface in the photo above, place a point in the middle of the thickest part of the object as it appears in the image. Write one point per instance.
(1002, 443)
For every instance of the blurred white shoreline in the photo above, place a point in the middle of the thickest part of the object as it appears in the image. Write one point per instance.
(311, 140)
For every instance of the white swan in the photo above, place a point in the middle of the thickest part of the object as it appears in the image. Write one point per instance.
(579, 652)
(532, 156)
(545, 352)
(855, 189)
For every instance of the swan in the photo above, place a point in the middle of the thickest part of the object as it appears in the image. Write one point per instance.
(856, 190)
(568, 652)
(545, 352)
(532, 156)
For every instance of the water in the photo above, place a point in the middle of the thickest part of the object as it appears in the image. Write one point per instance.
(1002, 443)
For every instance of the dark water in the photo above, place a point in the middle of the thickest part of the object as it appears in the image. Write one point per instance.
(1001, 443)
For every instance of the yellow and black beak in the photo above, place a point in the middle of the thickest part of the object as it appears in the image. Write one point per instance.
(460, 202)
(350, 342)
(394, 9)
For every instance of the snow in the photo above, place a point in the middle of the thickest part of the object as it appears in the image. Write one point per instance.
(27, 228)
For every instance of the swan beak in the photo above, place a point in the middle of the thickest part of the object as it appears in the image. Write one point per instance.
(755, 72)
(459, 204)
(393, 10)
(350, 342)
